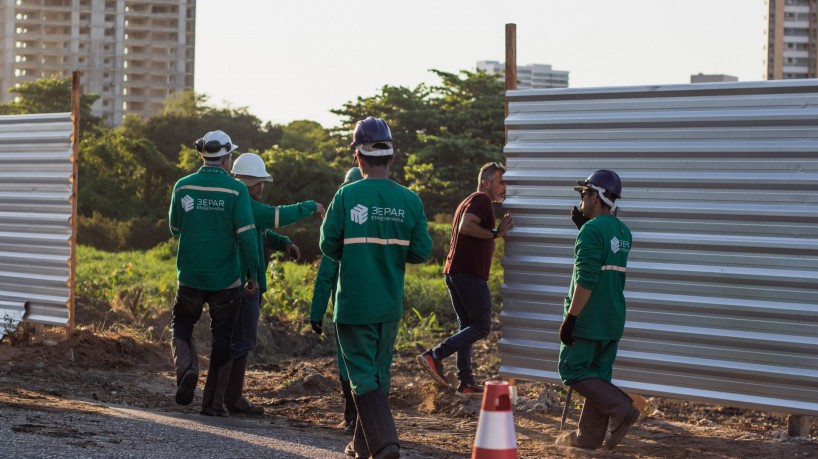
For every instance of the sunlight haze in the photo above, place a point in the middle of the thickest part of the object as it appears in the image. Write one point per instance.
(298, 60)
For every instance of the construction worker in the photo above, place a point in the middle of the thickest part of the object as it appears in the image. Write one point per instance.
(595, 315)
(210, 214)
(249, 168)
(373, 228)
(466, 274)
(325, 282)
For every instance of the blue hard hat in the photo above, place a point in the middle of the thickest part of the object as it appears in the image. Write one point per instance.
(371, 130)
(605, 179)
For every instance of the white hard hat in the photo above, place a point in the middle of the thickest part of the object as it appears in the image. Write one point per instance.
(249, 167)
(215, 144)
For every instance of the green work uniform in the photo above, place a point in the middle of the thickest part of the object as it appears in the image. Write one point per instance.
(324, 290)
(214, 210)
(373, 228)
(268, 217)
(601, 259)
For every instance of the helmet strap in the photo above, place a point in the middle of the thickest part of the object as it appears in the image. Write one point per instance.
(601, 192)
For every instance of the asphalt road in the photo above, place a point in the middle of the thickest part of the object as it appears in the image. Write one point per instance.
(122, 432)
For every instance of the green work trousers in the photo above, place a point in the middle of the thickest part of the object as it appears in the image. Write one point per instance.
(367, 354)
(587, 358)
(342, 368)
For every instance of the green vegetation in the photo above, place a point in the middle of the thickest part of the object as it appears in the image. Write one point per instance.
(145, 282)
(443, 133)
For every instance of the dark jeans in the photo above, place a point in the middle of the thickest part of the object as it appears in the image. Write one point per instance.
(471, 300)
(246, 329)
(223, 305)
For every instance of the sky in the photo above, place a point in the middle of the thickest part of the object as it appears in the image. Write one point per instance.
(298, 59)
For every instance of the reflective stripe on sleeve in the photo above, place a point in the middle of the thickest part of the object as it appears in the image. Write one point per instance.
(276, 224)
(621, 269)
(375, 240)
(207, 188)
(245, 228)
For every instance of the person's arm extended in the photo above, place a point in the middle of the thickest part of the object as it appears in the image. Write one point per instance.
(271, 217)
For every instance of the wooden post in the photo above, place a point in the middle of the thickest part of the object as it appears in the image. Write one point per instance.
(511, 64)
(798, 426)
(75, 149)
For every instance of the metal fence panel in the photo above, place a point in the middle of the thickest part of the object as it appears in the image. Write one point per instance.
(36, 182)
(720, 190)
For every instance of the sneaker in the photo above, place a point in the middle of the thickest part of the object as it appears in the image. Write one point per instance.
(186, 388)
(434, 367)
(469, 390)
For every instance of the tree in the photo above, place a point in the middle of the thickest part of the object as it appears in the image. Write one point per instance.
(187, 117)
(443, 133)
(51, 95)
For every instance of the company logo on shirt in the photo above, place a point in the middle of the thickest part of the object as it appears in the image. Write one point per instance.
(359, 214)
(387, 214)
(187, 203)
(617, 245)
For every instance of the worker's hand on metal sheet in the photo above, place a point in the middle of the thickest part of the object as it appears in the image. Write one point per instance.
(505, 224)
(293, 252)
(577, 217)
(319, 208)
(567, 329)
(317, 327)
(250, 288)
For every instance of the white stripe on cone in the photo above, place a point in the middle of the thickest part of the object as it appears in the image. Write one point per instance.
(495, 430)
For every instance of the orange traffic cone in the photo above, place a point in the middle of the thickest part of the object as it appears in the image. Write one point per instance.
(495, 430)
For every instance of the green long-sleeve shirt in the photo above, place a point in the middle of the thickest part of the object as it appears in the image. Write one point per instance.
(601, 260)
(210, 214)
(324, 289)
(373, 228)
(267, 218)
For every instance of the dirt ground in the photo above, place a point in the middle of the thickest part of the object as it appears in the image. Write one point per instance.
(55, 369)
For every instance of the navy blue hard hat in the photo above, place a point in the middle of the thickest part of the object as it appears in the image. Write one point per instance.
(371, 130)
(605, 179)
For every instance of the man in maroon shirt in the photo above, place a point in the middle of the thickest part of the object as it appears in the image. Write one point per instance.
(467, 273)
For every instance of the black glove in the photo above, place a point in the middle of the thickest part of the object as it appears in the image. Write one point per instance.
(317, 327)
(577, 217)
(567, 329)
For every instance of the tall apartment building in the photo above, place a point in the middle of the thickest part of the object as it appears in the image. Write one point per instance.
(792, 38)
(133, 53)
(534, 76)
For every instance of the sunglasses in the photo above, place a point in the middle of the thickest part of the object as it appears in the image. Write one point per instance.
(585, 193)
(212, 146)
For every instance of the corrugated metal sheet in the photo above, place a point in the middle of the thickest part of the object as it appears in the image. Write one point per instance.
(720, 190)
(35, 218)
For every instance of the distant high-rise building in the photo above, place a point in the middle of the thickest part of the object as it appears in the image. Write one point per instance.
(702, 78)
(534, 76)
(792, 38)
(133, 53)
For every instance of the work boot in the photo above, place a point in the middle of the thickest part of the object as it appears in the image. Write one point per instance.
(350, 413)
(591, 430)
(572, 440)
(236, 404)
(187, 370)
(357, 448)
(434, 367)
(214, 390)
(377, 424)
(607, 401)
